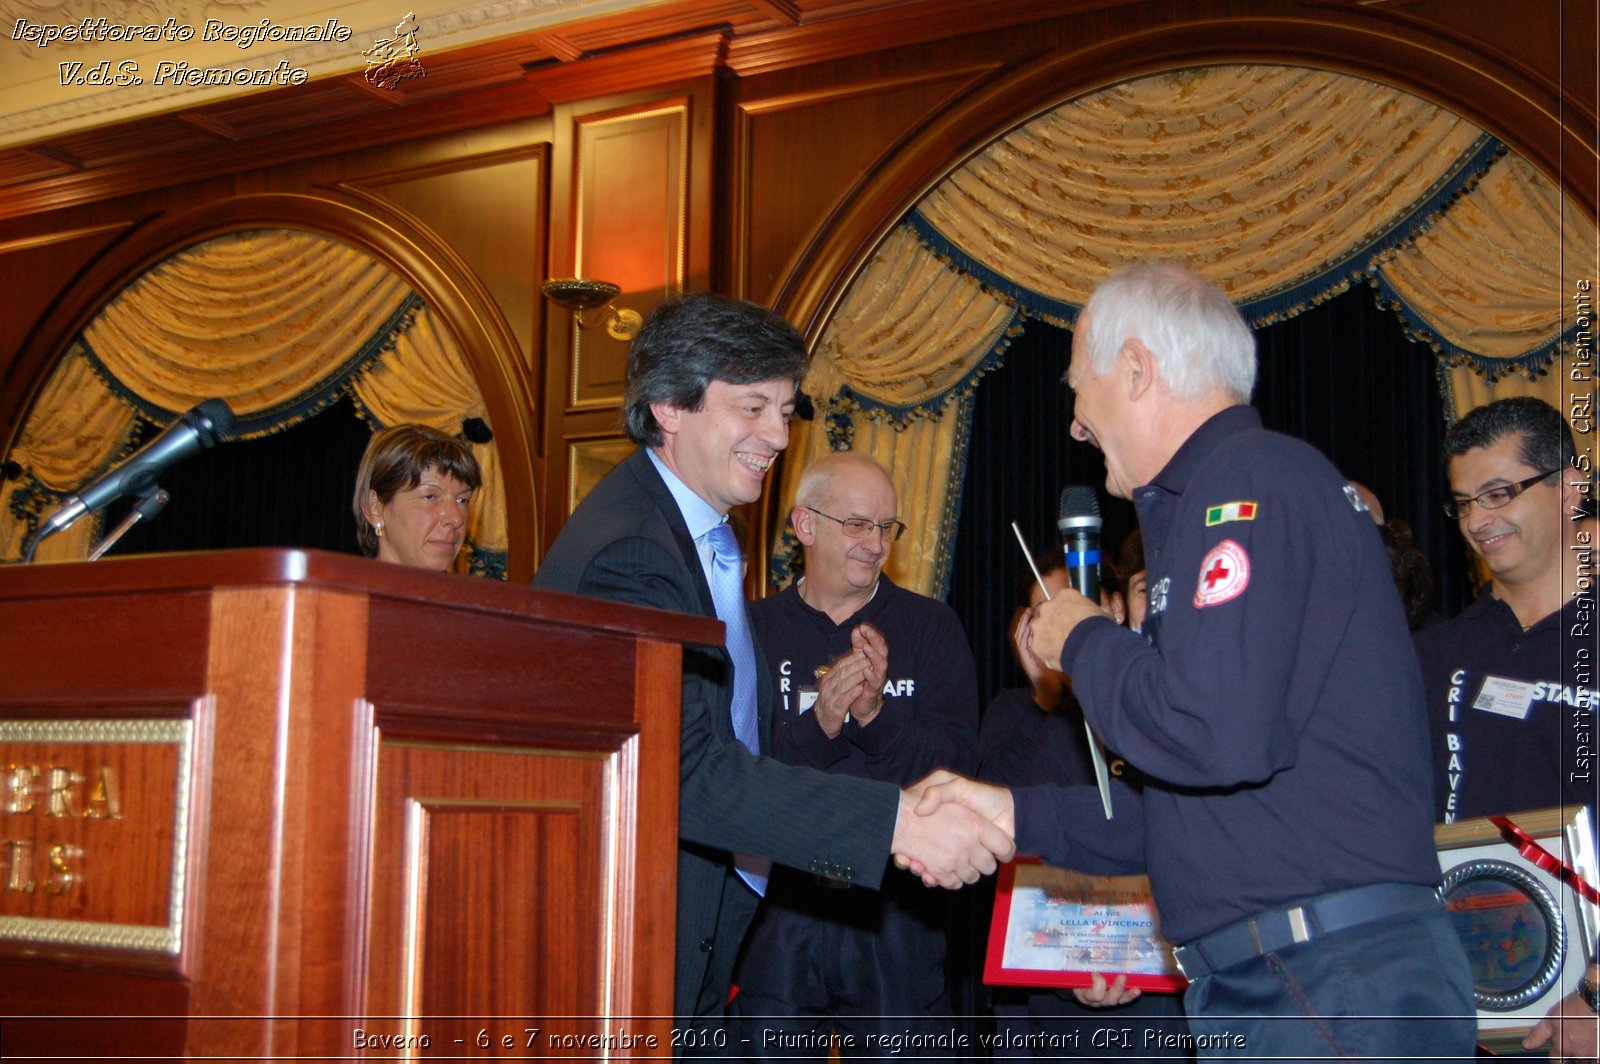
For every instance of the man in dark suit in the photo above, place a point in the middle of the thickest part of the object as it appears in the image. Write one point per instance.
(711, 389)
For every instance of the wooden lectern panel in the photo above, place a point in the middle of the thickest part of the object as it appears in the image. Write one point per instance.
(501, 860)
(269, 804)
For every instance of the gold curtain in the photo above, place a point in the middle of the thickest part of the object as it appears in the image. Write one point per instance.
(423, 380)
(258, 318)
(911, 337)
(1493, 282)
(275, 322)
(1284, 185)
(1260, 177)
(77, 428)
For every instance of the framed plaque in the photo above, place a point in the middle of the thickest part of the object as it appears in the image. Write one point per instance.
(1527, 931)
(1053, 927)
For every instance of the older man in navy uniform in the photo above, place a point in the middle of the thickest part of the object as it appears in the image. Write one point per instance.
(1272, 704)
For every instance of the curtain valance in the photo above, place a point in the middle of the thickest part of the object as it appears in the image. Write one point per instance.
(1285, 185)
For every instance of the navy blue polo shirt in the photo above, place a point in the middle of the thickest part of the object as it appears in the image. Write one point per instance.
(1273, 703)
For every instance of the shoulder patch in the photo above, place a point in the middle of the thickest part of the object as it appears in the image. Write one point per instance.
(1224, 574)
(1230, 511)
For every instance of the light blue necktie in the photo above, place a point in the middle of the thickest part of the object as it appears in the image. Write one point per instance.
(727, 592)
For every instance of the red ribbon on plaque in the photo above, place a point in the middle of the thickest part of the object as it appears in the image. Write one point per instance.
(1530, 850)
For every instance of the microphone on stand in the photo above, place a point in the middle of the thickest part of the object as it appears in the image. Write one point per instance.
(198, 430)
(1079, 525)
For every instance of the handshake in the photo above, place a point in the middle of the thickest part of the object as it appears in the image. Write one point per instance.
(951, 830)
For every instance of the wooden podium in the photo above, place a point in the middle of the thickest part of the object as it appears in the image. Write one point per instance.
(291, 804)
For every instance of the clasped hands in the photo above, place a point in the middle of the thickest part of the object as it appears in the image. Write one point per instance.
(952, 831)
(852, 686)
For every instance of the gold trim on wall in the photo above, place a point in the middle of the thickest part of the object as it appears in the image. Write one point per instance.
(593, 458)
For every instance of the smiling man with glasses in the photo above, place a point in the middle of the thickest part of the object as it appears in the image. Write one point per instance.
(1494, 498)
(1510, 682)
(874, 681)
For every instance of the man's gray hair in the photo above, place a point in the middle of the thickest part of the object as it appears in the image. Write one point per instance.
(1199, 340)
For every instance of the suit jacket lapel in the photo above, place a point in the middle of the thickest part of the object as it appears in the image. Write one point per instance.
(649, 479)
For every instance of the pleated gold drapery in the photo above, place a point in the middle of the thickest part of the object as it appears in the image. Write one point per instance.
(1284, 185)
(278, 323)
(912, 332)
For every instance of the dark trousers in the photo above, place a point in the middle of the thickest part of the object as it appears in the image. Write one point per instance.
(1048, 1025)
(860, 971)
(1393, 989)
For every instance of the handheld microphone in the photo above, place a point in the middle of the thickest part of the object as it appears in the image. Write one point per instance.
(197, 430)
(1079, 525)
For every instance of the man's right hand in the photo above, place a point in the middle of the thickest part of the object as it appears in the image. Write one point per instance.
(945, 842)
(1047, 682)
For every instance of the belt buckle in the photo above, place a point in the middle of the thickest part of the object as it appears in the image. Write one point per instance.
(1177, 958)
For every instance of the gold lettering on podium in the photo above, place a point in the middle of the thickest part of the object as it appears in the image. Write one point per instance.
(62, 780)
(103, 797)
(19, 866)
(77, 866)
(62, 877)
(19, 788)
(22, 792)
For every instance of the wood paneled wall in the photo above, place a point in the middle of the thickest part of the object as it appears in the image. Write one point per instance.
(764, 163)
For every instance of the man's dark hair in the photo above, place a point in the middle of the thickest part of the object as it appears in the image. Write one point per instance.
(691, 340)
(1546, 438)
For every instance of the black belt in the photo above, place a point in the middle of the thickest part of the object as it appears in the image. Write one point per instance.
(1278, 929)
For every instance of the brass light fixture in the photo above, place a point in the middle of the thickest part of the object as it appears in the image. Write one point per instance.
(579, 294)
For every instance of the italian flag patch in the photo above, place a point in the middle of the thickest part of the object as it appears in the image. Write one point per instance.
(1230, 511)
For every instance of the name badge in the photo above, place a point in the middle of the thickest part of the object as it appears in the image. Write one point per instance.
(1509, 698)
(807, 699)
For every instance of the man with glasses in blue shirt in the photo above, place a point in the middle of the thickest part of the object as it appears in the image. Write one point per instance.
(871, 681)
(1510, 682)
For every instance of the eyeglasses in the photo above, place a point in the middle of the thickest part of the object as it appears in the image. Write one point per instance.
(1494, 498)
(859, 527)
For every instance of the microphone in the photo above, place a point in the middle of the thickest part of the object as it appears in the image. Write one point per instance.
(1079, 525)
(197, 430)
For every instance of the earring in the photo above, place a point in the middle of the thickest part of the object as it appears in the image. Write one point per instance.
(378, 528)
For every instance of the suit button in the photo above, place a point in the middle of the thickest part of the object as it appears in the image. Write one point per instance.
(705, 945)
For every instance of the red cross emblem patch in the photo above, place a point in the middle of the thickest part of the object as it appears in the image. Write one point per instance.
(1224, 574)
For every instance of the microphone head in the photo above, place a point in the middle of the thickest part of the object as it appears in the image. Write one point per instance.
(212, 421)
(1080, 508)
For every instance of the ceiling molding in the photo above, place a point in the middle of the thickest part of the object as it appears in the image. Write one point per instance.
(636, 68)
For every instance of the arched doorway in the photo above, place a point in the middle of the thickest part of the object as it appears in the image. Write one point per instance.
(375, 248)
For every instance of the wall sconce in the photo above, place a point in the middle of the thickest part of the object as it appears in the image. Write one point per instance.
(578, 295)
